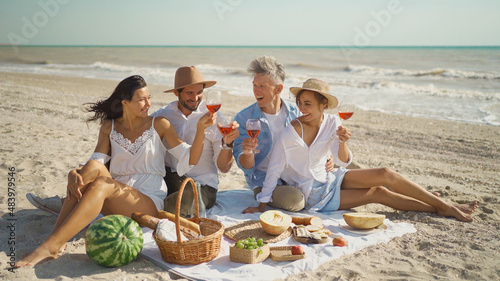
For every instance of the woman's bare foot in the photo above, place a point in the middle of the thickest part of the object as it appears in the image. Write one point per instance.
(39, 255)
(467, 208)
(453, 211)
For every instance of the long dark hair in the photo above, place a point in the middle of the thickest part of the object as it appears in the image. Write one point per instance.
(112, 108)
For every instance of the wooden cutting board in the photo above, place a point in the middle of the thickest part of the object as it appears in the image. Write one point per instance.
(307, 240)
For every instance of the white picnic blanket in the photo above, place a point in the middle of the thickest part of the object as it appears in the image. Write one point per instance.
(230, 204)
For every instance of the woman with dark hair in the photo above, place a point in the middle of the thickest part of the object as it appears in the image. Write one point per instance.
(132, 141)
(299, 155)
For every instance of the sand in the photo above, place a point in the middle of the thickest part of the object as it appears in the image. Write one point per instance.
(43, 136)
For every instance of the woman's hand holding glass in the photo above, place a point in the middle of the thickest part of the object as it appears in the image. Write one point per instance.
(343, 134)
(345, 111)
(228, 130)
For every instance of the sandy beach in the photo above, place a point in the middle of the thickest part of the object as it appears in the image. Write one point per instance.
(43, 136)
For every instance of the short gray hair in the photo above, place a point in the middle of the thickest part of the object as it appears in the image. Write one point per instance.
(269, 66)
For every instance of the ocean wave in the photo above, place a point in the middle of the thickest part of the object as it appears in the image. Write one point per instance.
(307, 65)
(447, 73)
(18, 60)
(111, 66)
(415, 90)
(217, 69)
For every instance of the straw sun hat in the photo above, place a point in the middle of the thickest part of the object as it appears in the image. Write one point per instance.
(319, 86)
(189, 75)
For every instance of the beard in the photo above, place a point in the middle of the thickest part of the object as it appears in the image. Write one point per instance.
(188, 107)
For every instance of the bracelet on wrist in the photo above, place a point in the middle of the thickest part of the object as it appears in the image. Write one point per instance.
(231, 145)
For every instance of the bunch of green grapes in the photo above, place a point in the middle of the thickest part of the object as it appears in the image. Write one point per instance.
(250, 243)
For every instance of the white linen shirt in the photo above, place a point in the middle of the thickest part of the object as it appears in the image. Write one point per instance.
(205, 172)
(300, 165)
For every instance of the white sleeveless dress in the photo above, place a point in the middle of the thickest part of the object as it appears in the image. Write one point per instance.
(140, 164)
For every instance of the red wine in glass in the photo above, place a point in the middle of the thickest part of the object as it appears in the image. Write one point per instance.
(253, 130)
(346, 111)
(224, 130)
(213, 107)
(225, 127)
(345, 115)
(214, 101)
(213, 104)
(253, 133)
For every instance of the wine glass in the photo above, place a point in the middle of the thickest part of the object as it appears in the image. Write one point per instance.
(346, 110)
(253, 130)
(225, 127)
(214, 101)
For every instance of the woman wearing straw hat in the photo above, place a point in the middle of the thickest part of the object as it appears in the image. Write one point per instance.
(298, 159)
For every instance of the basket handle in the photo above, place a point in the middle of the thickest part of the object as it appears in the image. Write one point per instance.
(178, 207)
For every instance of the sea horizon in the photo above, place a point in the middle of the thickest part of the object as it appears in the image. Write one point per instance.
(268, 46)
(460, 83)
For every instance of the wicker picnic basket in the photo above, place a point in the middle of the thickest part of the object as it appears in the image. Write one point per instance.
(194, 250)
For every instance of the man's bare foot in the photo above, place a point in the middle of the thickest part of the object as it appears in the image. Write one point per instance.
(39, 255)
(453, 211)
(467, 208)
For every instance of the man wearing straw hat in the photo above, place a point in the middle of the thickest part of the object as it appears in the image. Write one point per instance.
(183, 114)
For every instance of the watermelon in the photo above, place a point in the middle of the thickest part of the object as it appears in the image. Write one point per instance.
(113, 240)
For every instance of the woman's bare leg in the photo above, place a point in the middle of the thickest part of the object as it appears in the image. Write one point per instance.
(366, 178)
(104, 193)
(350, 198)
(89, 172)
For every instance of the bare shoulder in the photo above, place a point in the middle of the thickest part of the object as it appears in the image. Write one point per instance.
(106, 127)
(162, 124)
(161, 121)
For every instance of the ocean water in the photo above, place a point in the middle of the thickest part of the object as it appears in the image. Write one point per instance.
(460, 84)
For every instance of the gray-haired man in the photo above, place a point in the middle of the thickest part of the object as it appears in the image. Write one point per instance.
(274, 114)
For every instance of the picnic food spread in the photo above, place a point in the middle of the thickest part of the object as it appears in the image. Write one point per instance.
(117, 240)
(306, 230)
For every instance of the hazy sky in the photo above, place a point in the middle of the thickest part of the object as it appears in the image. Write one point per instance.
(250, 22)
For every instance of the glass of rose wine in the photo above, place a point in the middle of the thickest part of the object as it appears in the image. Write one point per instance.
(225, 127)
(346, 110)
(214, 101)
(253, 130)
